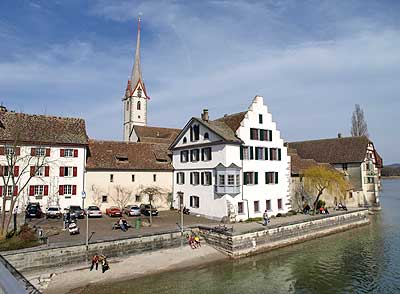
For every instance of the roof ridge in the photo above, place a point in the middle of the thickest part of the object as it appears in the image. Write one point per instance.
(125, 142)
(232, 114)
(45, 116)
(330, 139)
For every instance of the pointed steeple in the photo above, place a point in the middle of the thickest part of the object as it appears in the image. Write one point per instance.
(137, 71)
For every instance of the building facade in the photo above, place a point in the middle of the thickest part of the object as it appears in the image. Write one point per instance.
(235, 166)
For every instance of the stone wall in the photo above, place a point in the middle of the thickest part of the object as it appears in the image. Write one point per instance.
(28, 260)
(239, 245)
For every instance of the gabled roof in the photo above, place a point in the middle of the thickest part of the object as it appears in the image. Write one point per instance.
(221, 129)
(233, 120)
(336, 150)
(156, 134)
(41, 129)
(118, 155)
(298, 165)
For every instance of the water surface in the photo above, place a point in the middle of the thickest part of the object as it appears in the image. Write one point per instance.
(362, 260)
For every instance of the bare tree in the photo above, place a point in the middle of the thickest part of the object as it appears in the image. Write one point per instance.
(358, 123)
(97, 195)
(153, 192)
(122, 196)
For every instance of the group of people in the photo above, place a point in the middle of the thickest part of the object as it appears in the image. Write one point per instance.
(99, 258)
(122, 224)
(194, 241)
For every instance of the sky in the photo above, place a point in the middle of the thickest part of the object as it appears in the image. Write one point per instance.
(312, 61)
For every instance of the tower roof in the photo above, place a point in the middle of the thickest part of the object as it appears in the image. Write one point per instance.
(137, 71)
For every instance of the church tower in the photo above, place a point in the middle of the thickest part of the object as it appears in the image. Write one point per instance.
(135, 100)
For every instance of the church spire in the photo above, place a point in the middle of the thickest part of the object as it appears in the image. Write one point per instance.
(136, 71)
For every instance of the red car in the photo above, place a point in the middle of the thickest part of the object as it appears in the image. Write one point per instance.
(114, 211)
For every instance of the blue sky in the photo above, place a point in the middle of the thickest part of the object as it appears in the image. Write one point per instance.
(311, 60)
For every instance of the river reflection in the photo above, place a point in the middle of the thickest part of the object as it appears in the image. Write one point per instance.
(362, 260)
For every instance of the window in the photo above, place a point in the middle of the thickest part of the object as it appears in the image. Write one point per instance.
(206, 136)
(221, 180)
(369, 180)
(250, 178)
(9, 190)
(244, 153)
(40, 151)
(180, 178)
(9, 150)
(271, 178)
(68, 171)
(194, 133)
(154, 177)
(127, 105)
(194, 201)
(260, 118)
(268, 205)
(237, 180)
(133, 178)
(279, 203)
(275, 154)
(104, 199)
(350, 194)
(184, 141)
(254, 134)
(259, 153)
(138, 105)
(184, 156)
(38, 190)
(206, 178)
(67, 190)
(194, 178)
(68, 152)
(256, 206)
(111, 178)
(195, 155)
(7, 171)
(240, 208)
(138, 198)
(206, 154)
(39, 171)
(231, 180)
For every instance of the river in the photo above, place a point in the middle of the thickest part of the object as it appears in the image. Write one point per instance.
(362, 260)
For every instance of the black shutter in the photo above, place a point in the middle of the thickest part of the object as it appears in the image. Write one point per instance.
(279, 154)
(202, 154)
(262, 135)
(251, 152)
(191, 178)
(265, 153)
(257, 148)
(183, 178)
(270, 135)
(251, 134)
(191, 201)
(266, 178)
(276, 178)
(241, 152)
(256, 178)
(202, 178)
(244, 178)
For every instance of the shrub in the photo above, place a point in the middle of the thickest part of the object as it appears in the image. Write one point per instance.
(24, 238)
(320, 203)
(253, 219)
(291, 212)
(279, 214)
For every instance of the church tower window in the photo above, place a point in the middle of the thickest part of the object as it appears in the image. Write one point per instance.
(138, 105)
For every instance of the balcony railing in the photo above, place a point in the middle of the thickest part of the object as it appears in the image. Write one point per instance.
(227, 189)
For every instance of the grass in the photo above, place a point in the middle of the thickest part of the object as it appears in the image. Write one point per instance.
(254, 219)
(24, 238)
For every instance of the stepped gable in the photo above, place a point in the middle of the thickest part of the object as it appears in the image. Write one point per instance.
(119, 155)
(156, 134)
(42, 129)
(336, 150)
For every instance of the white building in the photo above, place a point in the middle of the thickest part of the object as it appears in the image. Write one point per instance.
(234, 166)
(118, 173)
(47, 155)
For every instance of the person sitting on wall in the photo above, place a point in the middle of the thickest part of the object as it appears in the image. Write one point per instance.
(123, 224)
(322, 210)
(326, 210)
(306, 209)
(341, 206)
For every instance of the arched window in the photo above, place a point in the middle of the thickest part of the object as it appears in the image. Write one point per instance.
(127, 105)
(138, 105)
(206, 135)
(184, 140)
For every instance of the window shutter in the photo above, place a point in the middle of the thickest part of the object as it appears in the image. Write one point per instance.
(177, 178)
(270, 135)
(251, 134)
(47, 152)
(279, 154)
(202, 154)
(75, 152)
(1, 191)
(262, 135)
(16, 171)
(191, 201)
(61, 171)
(32, 151)
(75, 171)
(270, 154)
(73, 189)
(18, 151)
(61, 190)
(15, 191)
(1, 170)
(202, 178)
(46, 190)
(251, 152)
(257, 148)
(32, 171)
(2, 150)
(241, 152)
(266, 178)
(191, 178)
(276, 178)
(265, 153)
(61, 152)
(244, 178)
(183, 178)
(46, 171)
(31, 190)
(256, 178)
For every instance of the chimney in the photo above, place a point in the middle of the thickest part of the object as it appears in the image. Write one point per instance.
(204, 115)
(3, 108)
(339, 135)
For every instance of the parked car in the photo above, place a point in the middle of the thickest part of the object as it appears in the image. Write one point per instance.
(33, 210)
(145, 210)
(113, 211)
(53, 212)
(132, 210)
(76, 210)
(93, 211)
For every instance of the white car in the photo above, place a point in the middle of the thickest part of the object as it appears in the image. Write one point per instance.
(132, 210)
(53, 212)
(93, 211)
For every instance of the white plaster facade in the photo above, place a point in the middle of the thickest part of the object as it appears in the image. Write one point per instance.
(236, 198)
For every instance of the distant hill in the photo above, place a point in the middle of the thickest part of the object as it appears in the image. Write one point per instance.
(391, 170)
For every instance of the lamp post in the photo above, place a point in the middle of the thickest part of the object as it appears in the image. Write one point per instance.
(87, 220)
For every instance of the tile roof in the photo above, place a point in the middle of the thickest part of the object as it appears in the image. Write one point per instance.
(336, 150)
(298, 164)
(156, 134)
(119, 155)
(42, 129)
(221, 129)
(233, 120)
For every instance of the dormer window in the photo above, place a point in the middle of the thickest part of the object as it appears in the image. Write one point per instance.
(206, 136)
(121, 158)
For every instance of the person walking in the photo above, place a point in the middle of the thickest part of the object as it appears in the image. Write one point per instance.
(95, 261)
(265, 218)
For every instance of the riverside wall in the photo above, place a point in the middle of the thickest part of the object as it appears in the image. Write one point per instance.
(29, 260)
(240, 244)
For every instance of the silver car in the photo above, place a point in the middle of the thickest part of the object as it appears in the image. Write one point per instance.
(132, 210)
(53, 212)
